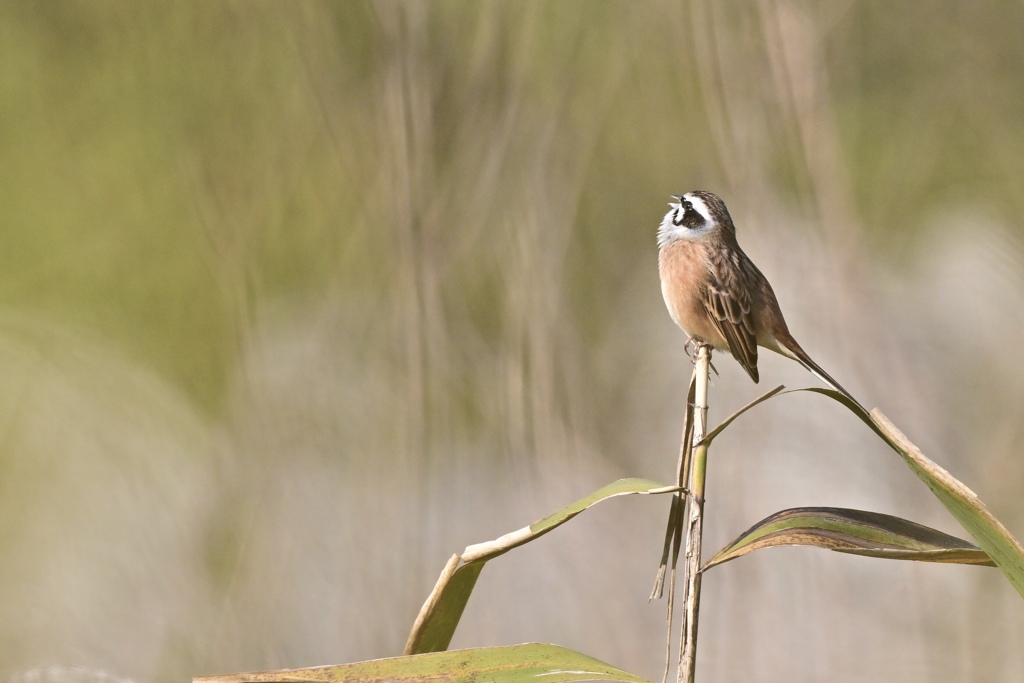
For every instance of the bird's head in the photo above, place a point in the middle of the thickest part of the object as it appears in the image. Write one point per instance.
(693, 216)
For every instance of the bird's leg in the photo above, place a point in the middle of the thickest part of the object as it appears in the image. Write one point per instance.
(697, 343)
(686, 347)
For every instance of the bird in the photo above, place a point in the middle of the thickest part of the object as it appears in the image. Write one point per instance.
(715, 293)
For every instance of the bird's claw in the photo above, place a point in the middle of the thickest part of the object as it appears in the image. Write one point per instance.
(686, 348)
(697, 344)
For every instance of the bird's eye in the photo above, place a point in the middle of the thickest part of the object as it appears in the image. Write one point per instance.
(687, 206)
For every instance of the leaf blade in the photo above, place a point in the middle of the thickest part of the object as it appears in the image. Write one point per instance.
(510, 664)
(621, 487)
(855, 532)
(710, 436)
(439, 617)
(961, 502)
(972, 514)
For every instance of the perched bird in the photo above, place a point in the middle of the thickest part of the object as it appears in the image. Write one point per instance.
(715, 293)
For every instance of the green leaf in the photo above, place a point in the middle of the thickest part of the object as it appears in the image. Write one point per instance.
(853, 531)
(438, 618)
(972, 514)
(491, 549)
(515, 664)
(443, 609)
(710, 436)
(994, 538)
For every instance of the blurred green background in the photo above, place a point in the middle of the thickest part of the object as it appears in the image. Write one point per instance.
(299, 298)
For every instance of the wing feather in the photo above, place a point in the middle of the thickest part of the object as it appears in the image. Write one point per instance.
(729, 306)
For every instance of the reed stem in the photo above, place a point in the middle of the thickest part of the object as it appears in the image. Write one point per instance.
(695, 517)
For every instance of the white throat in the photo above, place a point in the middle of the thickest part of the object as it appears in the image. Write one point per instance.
(668, 231)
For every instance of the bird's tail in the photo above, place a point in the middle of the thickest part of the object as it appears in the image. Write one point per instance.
(793, 350)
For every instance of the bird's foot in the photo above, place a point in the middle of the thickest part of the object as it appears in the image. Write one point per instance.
(697, 344)
(686, 347)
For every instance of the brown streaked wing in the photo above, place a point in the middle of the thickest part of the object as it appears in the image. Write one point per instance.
(729, 307)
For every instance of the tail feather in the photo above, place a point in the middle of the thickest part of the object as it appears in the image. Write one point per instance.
(793, 350)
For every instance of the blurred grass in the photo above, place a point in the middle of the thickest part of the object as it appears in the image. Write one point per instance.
(354, 268)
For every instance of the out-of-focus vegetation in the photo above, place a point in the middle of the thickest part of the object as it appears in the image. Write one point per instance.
(298, 299)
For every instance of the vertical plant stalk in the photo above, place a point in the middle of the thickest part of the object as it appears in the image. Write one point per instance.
(695, 519)
(674, 528)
